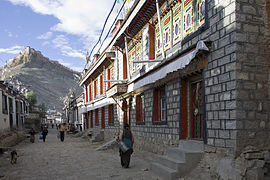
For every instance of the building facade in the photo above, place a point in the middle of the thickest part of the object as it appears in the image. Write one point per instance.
(14, 108)
(185, 70)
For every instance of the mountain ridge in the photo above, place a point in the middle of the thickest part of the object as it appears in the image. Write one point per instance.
(50, 80)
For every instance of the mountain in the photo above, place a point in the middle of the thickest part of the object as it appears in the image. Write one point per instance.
(49, 79)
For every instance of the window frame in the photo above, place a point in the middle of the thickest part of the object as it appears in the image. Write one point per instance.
(159, 95)
(110, 115)
(140, 108)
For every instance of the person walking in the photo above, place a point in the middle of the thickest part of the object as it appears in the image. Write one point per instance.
(62, 131)
(127, 137)
(44, 133)
(32, 135)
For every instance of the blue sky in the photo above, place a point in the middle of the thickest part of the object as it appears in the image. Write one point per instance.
(63, 30)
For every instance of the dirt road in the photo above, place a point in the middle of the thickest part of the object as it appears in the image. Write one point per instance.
(75, 158)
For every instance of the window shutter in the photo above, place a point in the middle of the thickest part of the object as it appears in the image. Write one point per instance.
(156, 105)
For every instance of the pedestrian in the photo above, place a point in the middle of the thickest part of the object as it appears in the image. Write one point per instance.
(32, 135)
(52, 126)
(44, 133)
(62, 131)
(127, 137)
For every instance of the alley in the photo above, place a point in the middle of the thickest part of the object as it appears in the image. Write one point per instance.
(75, 158)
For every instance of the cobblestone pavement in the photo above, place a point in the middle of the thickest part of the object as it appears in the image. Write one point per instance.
(75, 158)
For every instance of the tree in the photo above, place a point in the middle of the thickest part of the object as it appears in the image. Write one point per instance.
(32, 99)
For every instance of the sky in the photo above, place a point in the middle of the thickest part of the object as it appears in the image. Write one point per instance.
(63, 30)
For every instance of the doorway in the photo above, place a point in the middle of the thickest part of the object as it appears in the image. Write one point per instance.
(192, 108)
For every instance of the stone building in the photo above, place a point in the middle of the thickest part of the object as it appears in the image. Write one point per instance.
(13, 108)
(187, 73)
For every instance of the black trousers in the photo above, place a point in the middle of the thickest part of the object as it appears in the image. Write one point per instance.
(62, 135)
(44, 137)
(125, 157)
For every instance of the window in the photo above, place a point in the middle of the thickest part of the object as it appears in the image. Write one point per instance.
(95, 88)
(96, 117)
(125, 108)
(101, 84)
(91, 118)
(109, 77)
(160, 110)
(86, 94)
(90, 92)
(140, 109)
(111, 115)
(4, 104)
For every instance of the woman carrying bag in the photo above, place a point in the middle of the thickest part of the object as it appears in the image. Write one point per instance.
(127, 137)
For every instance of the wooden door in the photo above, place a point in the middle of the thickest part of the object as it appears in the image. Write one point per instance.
(196, 110)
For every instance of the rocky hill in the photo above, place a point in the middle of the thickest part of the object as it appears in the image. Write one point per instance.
(49, 79)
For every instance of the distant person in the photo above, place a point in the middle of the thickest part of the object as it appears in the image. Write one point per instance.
(32, 135)
(127, 137)
(52, 126)
(62, 131)
(44, 133)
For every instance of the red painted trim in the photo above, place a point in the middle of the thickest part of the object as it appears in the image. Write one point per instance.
(96, 117)
(151, 43)
(124, 105)
(103, 118)
(86, 93)
(156, 112)
(91, 118)
(138, 109)
(86, 120)
(90, 92)
(109, 77)
(95, 88)
(124, 66)
(101, 84)
(184, 117)
(110, 112)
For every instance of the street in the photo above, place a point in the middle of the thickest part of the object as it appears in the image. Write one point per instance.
(75, 158)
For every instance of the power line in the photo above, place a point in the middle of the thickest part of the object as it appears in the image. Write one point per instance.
(99, 39)
(112, 25)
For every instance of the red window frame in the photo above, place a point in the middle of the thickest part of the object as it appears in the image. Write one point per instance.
(109, 77)
(95, 88)
(86, 93)
(124, 66)
(151, 43)
(90, 92)
(101, 84)
(139, 109)
(91, 117)
(158, 109)
(102, 118)
(111, 115)
(124, 106)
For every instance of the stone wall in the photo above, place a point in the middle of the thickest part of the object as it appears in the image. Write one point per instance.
(219, 75)
(152, 137)
(253, 77)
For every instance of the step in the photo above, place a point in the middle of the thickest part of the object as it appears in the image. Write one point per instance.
(175, 153)
(170, 162)
(191, 145)
(163, 171)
